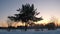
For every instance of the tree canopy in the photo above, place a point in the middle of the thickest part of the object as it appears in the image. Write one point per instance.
(26, 13)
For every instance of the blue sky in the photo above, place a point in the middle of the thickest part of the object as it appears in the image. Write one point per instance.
(47, 8)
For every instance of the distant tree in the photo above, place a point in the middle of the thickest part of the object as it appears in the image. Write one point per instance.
(51, 26)
(9, 22)
(26, 13)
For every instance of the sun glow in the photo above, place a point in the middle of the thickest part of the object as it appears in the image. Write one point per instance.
(45, 21)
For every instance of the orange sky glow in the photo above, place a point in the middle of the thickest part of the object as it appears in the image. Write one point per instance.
(15, 24)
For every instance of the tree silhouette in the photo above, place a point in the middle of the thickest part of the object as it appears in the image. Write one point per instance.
(51, 26)
(26, 13)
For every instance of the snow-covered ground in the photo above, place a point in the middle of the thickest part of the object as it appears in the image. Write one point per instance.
(30, 32)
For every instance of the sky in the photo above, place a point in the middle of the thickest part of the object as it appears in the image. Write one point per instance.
(47, 8)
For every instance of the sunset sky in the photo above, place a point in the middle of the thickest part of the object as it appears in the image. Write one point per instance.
(47, 8)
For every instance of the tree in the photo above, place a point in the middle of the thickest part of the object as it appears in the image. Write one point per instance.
(51, 26)
(26, 13)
